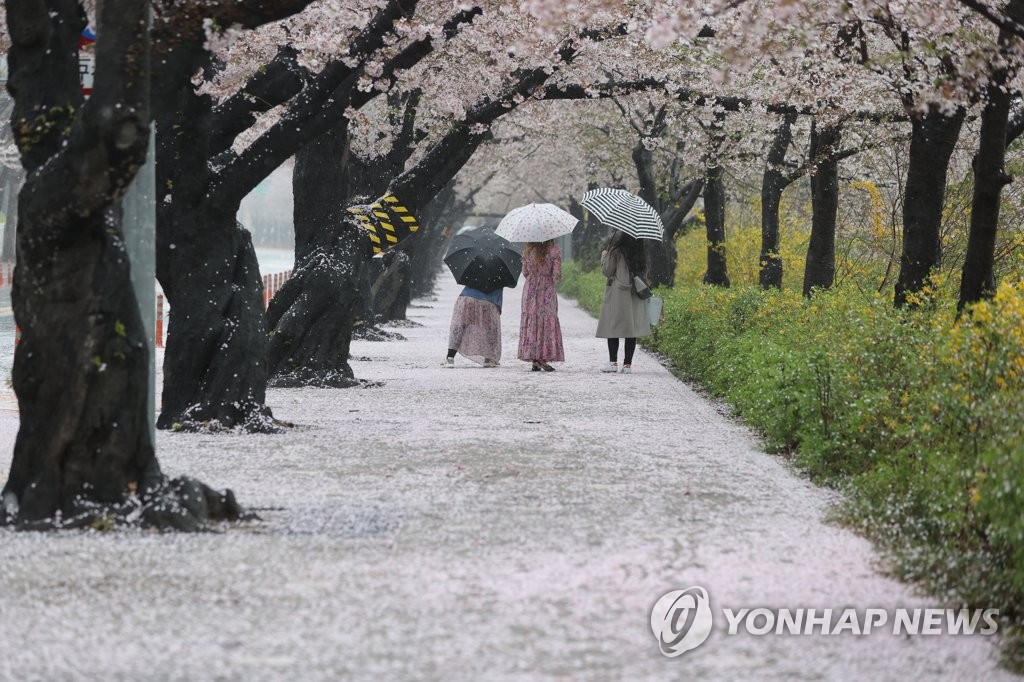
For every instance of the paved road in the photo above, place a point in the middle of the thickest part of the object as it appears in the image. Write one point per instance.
(466, 524)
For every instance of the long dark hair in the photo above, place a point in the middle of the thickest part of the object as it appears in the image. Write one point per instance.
(632, 250)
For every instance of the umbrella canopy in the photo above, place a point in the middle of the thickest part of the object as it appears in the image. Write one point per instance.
(625, 212)
(387, 221)
(483, 260)
(536, 223)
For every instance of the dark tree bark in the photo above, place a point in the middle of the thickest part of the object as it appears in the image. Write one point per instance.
(439, 221)
(773, 184)
(588, 236)
(714, 218)
(820, 268)
(84, 447)
(313, 314)
(391, 291)
(662, 256)
(312, 318)
(441, 218)
(215, 365)
(990, 176)
(673, 200)
(717, 273)
(367, 179)
(978, 280)
(933, 137)
(390, 282)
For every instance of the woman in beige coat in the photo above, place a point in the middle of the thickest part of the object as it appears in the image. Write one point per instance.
(623, 313)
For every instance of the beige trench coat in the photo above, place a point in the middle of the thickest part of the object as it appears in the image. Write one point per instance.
(623, 314)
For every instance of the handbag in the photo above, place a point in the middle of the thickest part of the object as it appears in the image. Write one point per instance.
(655, 304)
(640, 288)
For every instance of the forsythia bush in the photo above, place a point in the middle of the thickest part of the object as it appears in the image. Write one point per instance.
(919, 414)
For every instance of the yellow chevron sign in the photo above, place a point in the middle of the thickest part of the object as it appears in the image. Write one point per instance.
(388, 218)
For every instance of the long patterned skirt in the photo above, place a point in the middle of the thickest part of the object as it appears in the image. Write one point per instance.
(476, 329)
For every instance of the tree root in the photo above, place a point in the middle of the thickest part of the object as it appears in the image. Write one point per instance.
(372, 333)
(182, 504)
(324, 379)
(255, 419)
(401, 324)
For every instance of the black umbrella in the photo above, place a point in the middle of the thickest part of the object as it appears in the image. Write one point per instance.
(483, 260)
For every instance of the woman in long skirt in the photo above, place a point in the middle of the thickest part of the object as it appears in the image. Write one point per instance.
(476, 328)
(540, 335)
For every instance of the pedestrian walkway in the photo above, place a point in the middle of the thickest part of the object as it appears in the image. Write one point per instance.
(467, 524)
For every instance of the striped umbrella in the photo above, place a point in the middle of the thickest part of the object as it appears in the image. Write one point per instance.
(625, 212)
(536, 223)
(387, 221)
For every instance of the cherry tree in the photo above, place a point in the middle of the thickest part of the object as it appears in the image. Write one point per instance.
(220, 137)
(84, 452)
(997, 132)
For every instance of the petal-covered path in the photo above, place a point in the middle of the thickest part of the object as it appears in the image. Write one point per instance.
(466, 524)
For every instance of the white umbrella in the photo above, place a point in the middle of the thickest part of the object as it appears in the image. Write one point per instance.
(536, 223)
(625, 212)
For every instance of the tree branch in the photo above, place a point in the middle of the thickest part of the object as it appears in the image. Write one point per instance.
(1000, 20)
(319, 105)
(248, 13)
(274, 84)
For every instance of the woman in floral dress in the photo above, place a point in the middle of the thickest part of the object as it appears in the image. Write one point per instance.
(540, 336)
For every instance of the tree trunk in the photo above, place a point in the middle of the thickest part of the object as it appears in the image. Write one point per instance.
(215, 366)
(215, 369)
(441, 216)
(934, 135)
(390, 292)
(662, 256)
(587, 238)
(978, 278)
(820, 268)
(312, 317)
(773, 183)
(714, 217)
(81, 370)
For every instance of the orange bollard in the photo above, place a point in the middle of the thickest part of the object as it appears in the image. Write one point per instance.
(159, 320)
(17, 335)
(266, 292)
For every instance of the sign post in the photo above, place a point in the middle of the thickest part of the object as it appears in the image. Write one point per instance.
(138, 213)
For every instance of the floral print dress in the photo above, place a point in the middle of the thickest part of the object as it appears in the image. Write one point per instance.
(540, 335)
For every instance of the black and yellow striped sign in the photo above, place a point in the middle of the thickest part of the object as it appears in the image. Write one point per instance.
(387, 221)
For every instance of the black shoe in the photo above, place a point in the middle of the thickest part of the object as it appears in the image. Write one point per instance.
(536, 366)
(546, 367)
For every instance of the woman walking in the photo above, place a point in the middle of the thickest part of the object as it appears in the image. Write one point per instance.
(476, 328)
(540, 335)
(623, 313)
